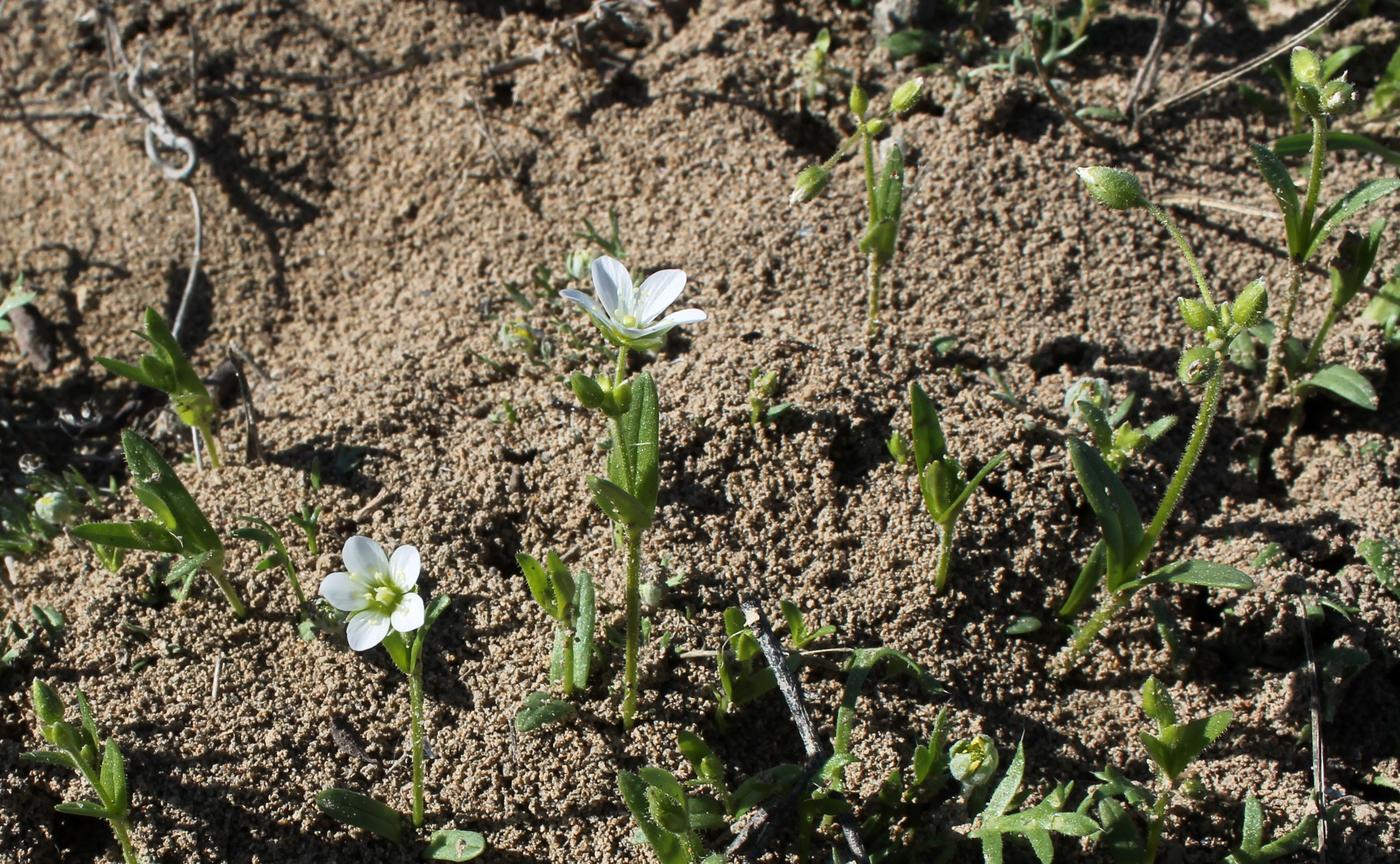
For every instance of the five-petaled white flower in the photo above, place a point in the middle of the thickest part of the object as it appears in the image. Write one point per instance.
(378, 591)
(627, 315)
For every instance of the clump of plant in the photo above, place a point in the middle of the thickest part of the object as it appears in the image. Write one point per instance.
(179, 528)
(1254, 849)
(569, 600)
(16, 298)
(1090, 402)
(1306, 230)
(47, 504)
(166, 369)
(884, 182)
(1126, 543)
(275, 555)
(81, 749)
(1122, 806)
(1005, 815)
(942, 481)
(17, 641)
(763, 388)
(898, 827)
(631, 319)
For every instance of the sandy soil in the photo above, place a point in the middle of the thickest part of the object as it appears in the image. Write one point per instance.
(365, 201)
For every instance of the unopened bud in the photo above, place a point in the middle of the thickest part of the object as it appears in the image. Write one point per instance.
(589, 393)
(577, 262)
(973, 761)
(1196, 314)
(1250, 305)
(906, 96)
(1196, 365)
(1338, 97)
(1307, 69)
(47, 706)
(56, 507)
(1113, 188)
(859, 101)
(810, 183)
(875, 127)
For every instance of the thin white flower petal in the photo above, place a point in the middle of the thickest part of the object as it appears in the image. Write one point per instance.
(345, 592)
(613, 284)
(591, 306)
(659, 291)
(364, 557)
(408, 615)
(367, 629)
(404, 565)
(685, 316)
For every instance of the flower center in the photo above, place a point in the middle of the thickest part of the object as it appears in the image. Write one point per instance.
(629, 320)
(386, 596)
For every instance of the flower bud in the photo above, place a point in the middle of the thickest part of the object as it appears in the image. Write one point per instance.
(859, 101)
(1196, 365)
(906, 95)
(1338, 97)
(1309, 100)
(1196, 314)
(577, 262)
(1157, 702)
(47, 706)
(56, 507)
(1113, 188)
(617, 399)
(1250, 305)
(810, 183)
(1306, 68)
(973, 761)
(589, 394)
(875, 127)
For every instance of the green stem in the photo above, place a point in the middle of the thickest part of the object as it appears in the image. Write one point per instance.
(1319, 152)
(873, 270)
(634, 625)
(566, 675)
(621, 374)
(1205, 417)
(1315, 349)
(415, 696)
(292, 577)
(1191, 262)
(211, 444)
(230, 593)
(945, 556)
(1154, 831)
(1274, 375)
(120, 829)
(867, 147)
(873, 301)
(118, 823)
(1084, 637)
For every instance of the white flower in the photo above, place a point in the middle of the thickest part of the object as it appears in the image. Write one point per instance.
(379, 591)
(627, 315)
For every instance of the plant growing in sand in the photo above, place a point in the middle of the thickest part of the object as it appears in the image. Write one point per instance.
(631, 319)
(1000, 818)
(166, 369)
(179, 529)
(884, 182)
(1319, 96)
(1254, 850)
(1090, 402)
(380, 594)
(570, 602)
(274, 550)
(1127, 544)
(100, 762)
(10, 302)
(942, 481)
(763, 387)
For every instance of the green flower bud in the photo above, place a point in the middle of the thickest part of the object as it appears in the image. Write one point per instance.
(1250, 305)
(589, 394)
(577, 262)
(859, 101)
(906, 96)
(973, 761)
(1113, 188)
(616, 399)
(875, 127)
(1309, 100)
(1338, 97)
(1196, 314)
(63, 736)
(1196, 365)
(56, 507)
(1307, 69)
(810, 183)
(47, 706)
(899, 448)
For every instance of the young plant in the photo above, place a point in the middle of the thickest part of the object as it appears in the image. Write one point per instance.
(570, 603)
(16, 641)
(380, 593)
(1122, 804)
(1127, 544)
(630, 318)
(763, 386)
(819, 75)
(10, 302)
(1319, 96)
(1384, 309)
(100, 762)
(165, 368)
(179, 529)
(1035, 824)
(1090, 402)
(884, 182)
(942, 482)
(270, 544)
(1254, 850)
(308, 519)
(897, 828)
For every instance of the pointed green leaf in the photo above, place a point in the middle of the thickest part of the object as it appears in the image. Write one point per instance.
(538, 580)
(648, 474)
(614, 501)
(971, 485)
(669, 848)
(585, 614)
(541, 709)
(1252, 832)
(447, 845)
(130, 371)
(1285, 192)
(1207, 574)
(1117, 514)
(91, 809)
(1348, 206)
(1345, 383)
(361, 811)
(130, 535)
(929, 443)
(1006, 790)
(48, 757)
(113, 777)
(1090, 575)
(147, 466)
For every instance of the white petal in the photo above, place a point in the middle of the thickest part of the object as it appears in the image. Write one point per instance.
(685, 316)
(591, 306)
(367, 629)
(345, 592)
(613, 284)
(408, 615)
(659, 291)
(365, 558)
(404, 566)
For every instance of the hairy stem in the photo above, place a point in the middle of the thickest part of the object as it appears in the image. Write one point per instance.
(1205, 417)
(1273, 377)
(1084, 637)
(1154, 831)
(1191, 262)
(216, 569)
(634, 625)
(1315, 349)
(118, 823)
(945, 556)
(566, 675)
(1319, 153)
(119, 828)
(873, 300)
(415, 697)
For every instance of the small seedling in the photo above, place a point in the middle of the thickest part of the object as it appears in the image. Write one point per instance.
(819, 75)
(1253, 849)
(1384, 309)
(1383, 557)
(569, 601)
(763, 386)
(630, 318)
(16, 641)
(179, 529)
(899, 827)
(10, 302)
(798, 632)
(743, 675)
(78, 748)
(270, 545)
(942, 481)
(45, 506)
(380, 593)
(309, 521)
(884, 183)
(166, 369)
(1034, 824)
(1090, 402)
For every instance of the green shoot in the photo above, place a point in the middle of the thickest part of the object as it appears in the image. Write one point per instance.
(270, 544)
(100, 762)
(308, 519)
(17, 641)
(570, 603)
(165, 368)
(179, 529)
(1090, 402)
(998, 819)
(942, 481)
(898, 826)
(763, 386)
(1253, 849)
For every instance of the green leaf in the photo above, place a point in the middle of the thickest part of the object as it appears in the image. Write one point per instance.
(540, 709)
(1382, 556)
(130, 535)
(1090, 575)
(1285, 192)
(91, 809)
(929, 443)
(113, 777)
(48, 757)
(617, 503)
(1300, 144)
(185, 570)
(1023, 626)
(538, 580)
(1117, 514)
(971, 485)
(445, 845)
(585, 616)
(648, 424)
(669, 848)
(147, 466)
(1345, 383)
(1207, 574)
(128, 370)
(1346, 207)
(361, 811)
(863, 662)
(1002, 795)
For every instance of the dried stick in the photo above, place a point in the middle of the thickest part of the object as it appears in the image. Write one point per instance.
(791, 689)
(1147, 73)
(1191, 201)
(1319, 757)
